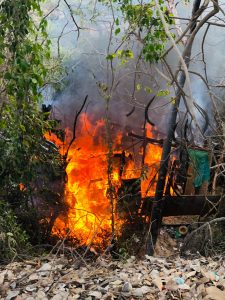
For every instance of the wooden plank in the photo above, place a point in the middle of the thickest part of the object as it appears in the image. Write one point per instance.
(183, 205)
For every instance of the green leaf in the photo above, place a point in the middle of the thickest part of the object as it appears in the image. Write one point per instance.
(117, 31)
(7, 76)
(110, 56)
(148, 89)
(163, 93)
(138, 87)
(34, 80)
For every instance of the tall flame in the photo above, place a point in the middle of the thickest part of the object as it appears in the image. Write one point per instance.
(88, 218)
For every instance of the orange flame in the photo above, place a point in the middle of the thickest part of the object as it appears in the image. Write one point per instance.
(22, 186)
(88, 218)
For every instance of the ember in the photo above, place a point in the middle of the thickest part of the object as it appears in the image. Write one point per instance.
(86, 193)
(22, 187)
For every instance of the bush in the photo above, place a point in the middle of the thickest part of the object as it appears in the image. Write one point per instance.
(13, 240)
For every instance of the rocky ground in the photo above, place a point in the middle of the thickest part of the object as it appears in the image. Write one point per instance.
(60, 278)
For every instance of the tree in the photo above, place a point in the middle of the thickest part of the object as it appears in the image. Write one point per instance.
(25, 154)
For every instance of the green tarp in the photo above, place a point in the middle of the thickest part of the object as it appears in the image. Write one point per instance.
(200, 161)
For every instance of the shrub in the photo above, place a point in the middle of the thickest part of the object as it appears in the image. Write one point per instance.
(13, 240)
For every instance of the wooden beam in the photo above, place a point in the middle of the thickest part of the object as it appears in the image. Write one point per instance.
(183, 205)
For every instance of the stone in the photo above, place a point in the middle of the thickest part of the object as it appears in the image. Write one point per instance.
(127, 287)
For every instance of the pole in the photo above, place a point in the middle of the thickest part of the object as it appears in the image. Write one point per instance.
(156, 214)
(157, 207)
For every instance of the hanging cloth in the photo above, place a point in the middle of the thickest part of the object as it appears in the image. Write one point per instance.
(200, 161)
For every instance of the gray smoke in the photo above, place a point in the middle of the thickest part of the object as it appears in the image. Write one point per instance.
(85, 60)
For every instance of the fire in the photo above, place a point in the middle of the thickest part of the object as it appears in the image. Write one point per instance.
(50, 136)
(22, 186)
(152, 159)
(89, 214)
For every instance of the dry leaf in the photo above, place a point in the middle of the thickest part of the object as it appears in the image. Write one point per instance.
(214, 293)
(158, 282)
(190, 274)
(2, 276)
(96, 294)
(12, 294)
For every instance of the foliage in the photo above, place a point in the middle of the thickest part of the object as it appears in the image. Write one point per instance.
(145, 17)
(24, 49)
(13, 240)
(145, 23)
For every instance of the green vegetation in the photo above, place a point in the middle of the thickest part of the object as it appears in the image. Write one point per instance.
(145, 24)
(13, 239)
(24, 48)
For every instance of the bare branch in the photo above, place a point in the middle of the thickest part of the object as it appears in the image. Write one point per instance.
(72, 17)
(74, 126)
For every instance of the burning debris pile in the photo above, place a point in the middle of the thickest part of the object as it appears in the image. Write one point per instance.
(110, 186)
(89, 215)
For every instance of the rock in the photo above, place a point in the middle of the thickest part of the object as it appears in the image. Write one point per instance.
(127, 287)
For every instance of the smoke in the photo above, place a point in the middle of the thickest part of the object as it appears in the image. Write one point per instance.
(207, 61)
(89, 73)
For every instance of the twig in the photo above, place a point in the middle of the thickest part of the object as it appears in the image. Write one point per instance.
(205, 225)
(72, 16)
(74, 126)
